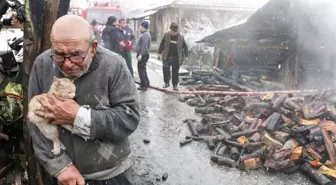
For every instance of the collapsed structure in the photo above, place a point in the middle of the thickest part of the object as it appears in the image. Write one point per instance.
(287, 132)
(283, 45)
(288, 41)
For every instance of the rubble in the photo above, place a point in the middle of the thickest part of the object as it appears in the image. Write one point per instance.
(12, 163)
(165, 176)
(287, 132)
(146, 141)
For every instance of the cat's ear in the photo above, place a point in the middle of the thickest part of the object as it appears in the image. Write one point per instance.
(55, 78)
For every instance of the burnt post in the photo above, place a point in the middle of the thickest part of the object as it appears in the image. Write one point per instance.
(40, 17)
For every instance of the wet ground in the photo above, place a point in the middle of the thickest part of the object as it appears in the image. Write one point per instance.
(162, 118)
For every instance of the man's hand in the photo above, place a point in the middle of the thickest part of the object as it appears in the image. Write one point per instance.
(70, 176)
(159, 57)
(139, 58)
(60, 112)
(122, 44)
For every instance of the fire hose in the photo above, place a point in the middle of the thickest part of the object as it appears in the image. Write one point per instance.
(241, 93)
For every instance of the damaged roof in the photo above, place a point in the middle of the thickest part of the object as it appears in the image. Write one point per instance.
(268, 24)
(284, 21)
(142, 15)
(213, 5)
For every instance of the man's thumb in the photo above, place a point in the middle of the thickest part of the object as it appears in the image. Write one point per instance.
(80, 181)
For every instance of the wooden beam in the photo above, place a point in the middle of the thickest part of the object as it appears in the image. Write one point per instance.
(256, 46)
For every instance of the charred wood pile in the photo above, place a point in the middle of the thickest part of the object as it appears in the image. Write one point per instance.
(229, 80)
(287, 133)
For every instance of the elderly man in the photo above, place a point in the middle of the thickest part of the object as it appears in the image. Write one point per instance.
(97, 150)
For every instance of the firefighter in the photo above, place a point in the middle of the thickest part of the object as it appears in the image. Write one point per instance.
(173, 50)
(126, 39)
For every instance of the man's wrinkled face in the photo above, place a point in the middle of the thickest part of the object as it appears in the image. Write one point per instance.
(73, 57)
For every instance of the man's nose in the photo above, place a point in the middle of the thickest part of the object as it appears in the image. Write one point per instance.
(67, 64)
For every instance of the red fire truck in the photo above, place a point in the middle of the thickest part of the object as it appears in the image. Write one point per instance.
(99, 12)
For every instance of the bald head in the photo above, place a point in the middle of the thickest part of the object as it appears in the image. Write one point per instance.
(71, 28)
(72, 45)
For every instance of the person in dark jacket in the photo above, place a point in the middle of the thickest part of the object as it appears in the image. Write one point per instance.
(173, 50)
(94, 26)
(126, 39)
(110, 35)
(142, 50)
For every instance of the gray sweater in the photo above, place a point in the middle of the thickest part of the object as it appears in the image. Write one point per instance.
(109, 89)
(144, 44)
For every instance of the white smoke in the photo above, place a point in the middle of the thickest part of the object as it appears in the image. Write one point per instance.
(201, 26)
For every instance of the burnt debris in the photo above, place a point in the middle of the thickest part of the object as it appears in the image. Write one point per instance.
(276, 132)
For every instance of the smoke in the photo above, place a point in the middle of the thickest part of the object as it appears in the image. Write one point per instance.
(316, 44)
(201, 25)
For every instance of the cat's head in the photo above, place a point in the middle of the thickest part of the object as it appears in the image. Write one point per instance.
(63, 87)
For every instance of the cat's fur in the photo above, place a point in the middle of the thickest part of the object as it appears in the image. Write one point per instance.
(62, 88)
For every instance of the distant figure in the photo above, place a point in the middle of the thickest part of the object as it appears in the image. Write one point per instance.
(128, 24)
(110, 35)
(173, 50)
(142, 50)
(126, 39)
(94, 26)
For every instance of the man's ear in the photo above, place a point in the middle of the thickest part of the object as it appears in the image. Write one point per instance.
(94, 46)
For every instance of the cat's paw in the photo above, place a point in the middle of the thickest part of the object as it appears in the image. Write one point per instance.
(56, 151)
(86, 106)
(63, 147)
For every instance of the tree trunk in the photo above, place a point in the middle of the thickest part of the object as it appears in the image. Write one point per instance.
(49, 19)
(40, 17)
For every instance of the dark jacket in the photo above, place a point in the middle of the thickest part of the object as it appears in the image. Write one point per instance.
(96, 34)
(144, 44)
(167, 44)
(127, 37)
(109, 89)
(110, 38)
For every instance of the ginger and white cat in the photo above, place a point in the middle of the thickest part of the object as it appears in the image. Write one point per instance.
(62, 88)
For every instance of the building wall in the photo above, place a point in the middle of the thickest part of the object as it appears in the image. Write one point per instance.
(161, 21)
(152, 28)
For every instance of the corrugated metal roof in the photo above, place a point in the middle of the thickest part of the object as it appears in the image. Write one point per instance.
(216, 4)
(271, 21)
(241, 3)
(143, 14)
